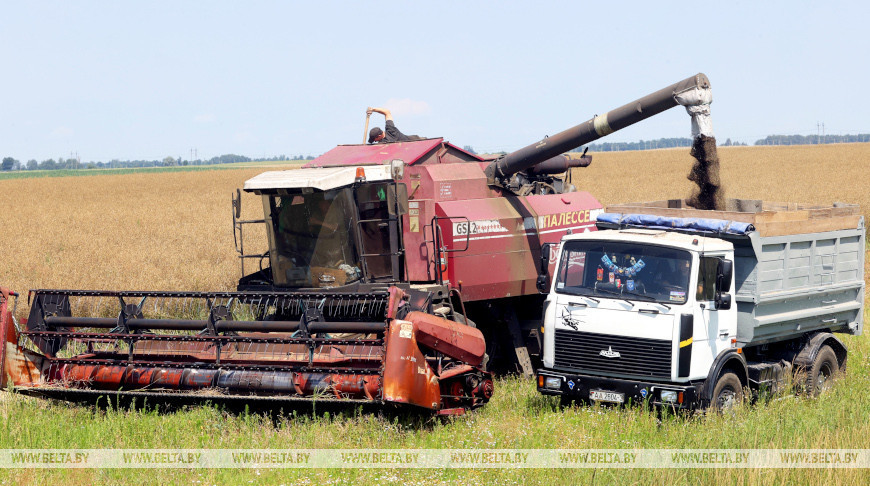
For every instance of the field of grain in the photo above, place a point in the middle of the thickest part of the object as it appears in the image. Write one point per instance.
(172, 231)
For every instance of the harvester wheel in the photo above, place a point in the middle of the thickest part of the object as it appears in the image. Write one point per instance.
(463, 320)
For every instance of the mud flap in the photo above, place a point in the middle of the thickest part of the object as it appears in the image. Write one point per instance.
(521, 353)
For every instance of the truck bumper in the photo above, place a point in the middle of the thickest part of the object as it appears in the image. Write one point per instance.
(580, 387)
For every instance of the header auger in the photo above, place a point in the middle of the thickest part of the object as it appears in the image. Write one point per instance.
(370, 349)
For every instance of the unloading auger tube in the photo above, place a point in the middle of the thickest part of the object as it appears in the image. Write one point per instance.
(345, 348)
(694, 93)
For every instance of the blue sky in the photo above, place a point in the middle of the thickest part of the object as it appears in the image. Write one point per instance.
(154, 79)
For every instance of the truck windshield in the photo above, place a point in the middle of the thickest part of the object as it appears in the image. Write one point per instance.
(616, 269)
(312, 239)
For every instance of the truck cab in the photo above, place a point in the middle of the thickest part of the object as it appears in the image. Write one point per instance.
(637, 304)
(331, 227)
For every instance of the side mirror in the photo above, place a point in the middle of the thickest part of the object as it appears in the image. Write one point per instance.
(237, 204)
(543, 282)
(546, 249)
(724, 273)
(723, 301)
(398, 197)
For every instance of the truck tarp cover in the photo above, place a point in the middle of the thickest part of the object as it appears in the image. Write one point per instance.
(703, 225)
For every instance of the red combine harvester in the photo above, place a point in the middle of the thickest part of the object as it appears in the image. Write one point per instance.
(387, 266)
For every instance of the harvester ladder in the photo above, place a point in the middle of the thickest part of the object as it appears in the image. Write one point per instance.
(238, 225)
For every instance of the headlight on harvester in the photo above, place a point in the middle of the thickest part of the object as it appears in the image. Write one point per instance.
(668, 396)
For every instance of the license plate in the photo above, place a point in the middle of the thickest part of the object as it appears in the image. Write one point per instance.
(606, 396)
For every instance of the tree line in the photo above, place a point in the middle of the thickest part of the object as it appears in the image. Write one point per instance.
(812, 139)
(10, 163)
(687, 142)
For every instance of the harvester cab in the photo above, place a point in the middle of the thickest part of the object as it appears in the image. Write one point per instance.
(331, 227)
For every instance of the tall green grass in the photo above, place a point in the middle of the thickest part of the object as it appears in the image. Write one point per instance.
(517, 417)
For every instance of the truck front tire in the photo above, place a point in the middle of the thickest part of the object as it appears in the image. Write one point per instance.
(823, 371)
(727, 393)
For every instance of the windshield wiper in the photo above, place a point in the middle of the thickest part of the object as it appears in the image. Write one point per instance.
(578, 291)
(593, 299)
(617, 294)
(643, 297)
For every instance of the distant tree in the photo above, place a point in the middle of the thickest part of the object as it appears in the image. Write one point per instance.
(8, 163)
(168, 161)
(469, 149)
(49, 164)
(32, 164)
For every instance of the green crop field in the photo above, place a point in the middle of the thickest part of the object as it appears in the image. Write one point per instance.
(171, 231)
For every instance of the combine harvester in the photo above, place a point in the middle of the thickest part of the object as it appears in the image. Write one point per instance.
(381, 259)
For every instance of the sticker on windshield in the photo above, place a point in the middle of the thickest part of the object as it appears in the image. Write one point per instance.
(629, 284)
(612, 277)
(632, 270)
(678, 296)
(560, 285)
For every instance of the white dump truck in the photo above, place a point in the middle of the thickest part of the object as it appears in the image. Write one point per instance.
(673, 306)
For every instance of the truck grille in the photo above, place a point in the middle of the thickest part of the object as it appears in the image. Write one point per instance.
(637, 356)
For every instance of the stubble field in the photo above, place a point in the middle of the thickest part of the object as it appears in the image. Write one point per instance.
(172, 231)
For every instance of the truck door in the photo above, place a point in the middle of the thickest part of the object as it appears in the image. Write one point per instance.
(713, 328)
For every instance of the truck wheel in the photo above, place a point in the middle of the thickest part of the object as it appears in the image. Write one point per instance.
(727, 393)
(823, 372)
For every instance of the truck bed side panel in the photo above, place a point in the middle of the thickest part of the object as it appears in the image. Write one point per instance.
(793, 284)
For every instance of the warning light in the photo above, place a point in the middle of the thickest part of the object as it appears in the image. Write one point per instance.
(360, 174)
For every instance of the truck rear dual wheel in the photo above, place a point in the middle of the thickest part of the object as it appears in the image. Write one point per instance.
(727, 393)
(822, 373)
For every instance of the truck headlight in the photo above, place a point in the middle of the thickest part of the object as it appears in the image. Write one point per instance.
(553, 383)
(669, 396)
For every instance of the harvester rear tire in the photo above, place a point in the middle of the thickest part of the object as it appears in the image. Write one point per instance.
(463, 320)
